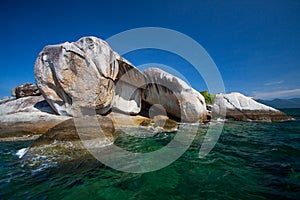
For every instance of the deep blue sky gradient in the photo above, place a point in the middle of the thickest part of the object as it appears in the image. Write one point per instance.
(255, 44)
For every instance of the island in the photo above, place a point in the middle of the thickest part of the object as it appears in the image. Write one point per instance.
(87, 78)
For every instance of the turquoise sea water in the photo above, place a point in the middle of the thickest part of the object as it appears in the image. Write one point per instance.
(250, 161)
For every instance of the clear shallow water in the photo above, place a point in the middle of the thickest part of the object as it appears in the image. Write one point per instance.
(250, 161)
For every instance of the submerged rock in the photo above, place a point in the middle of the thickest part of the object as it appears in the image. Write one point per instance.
(174, 95)
(63, 142)
(85, 131)
(156, 125)
(240, 107)
(164, 124)
(66, 142)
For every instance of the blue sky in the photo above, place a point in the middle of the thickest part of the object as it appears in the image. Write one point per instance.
(255, 44)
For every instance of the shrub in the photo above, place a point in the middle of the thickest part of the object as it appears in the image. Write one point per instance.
(209, 98)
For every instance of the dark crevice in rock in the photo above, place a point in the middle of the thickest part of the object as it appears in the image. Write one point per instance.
(43, 106)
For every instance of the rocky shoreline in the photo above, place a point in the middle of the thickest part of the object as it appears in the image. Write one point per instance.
(87, 81)
(26, 117)
(29, 117)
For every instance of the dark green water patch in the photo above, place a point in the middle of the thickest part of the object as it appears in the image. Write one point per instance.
(250, 161)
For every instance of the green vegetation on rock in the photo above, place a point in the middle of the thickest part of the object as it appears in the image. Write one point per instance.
(209, 98)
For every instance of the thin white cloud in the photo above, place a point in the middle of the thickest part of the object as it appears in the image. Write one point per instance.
(274, 83)
(277, 94)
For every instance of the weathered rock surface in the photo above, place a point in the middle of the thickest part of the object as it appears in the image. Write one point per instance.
(174, 95)
(99, 53)
(29, 117)
(62, 143)
(26, 104)
(26, 89)
(156, 125)
(70, 78)
(6, 99)
(89, 131)
(79, 76)
(129, 85)
(26, 116)
(164, 123)
(244, 108)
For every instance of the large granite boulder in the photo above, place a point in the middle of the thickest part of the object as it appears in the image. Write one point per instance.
(240, 107)
(26, 89)
(174, 95)
(76, 78)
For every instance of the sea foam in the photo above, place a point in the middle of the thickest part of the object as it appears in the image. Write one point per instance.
(21, 152)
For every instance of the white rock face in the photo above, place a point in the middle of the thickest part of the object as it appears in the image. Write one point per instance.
(244, 108)
(239, 101)
(129, 84)
(177, 98)
(127, 99)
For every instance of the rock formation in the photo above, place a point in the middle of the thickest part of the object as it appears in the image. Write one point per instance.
(26, 89)
(86, 76)
(62, 143)
(71, 78)
(166, 124)
(67, 132)
(244, 108)
(174, 95)
(129, 84)
(27, 116)
(79, 76)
